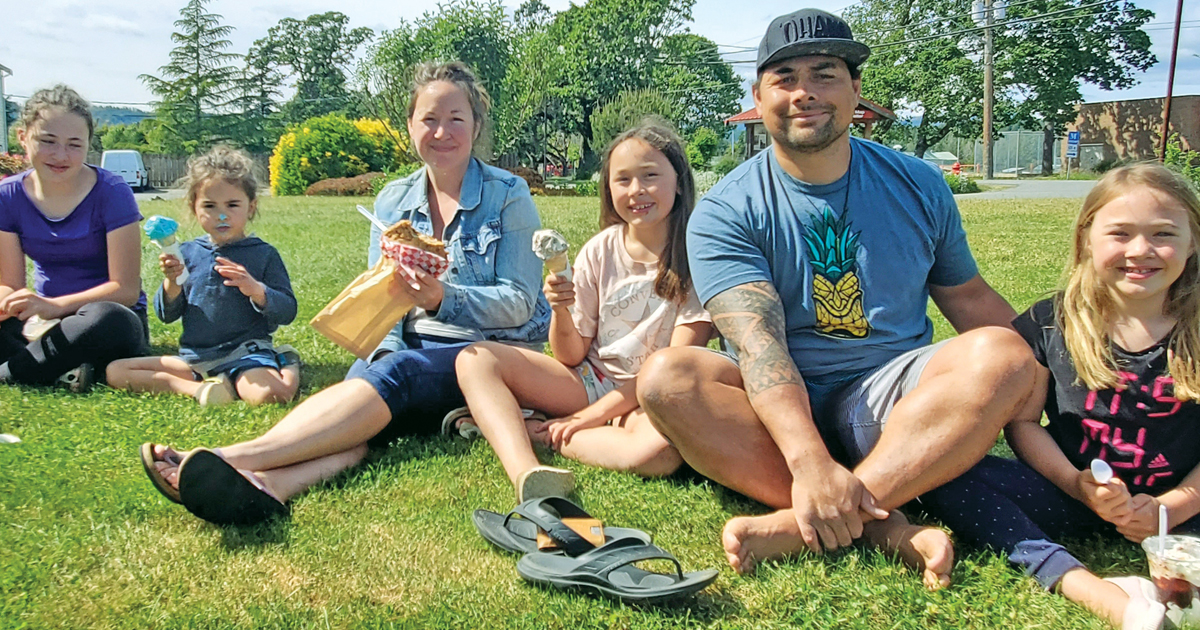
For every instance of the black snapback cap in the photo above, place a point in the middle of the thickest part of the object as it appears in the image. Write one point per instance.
(810, 32)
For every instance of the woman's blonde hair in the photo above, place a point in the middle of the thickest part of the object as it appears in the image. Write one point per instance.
(1086, 308)
(224, 163)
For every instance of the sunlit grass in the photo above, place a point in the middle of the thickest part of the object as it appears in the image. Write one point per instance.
(85, 541)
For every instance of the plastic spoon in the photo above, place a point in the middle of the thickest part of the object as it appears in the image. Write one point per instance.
(1101, 471)
(374, 219)
(1162, 528)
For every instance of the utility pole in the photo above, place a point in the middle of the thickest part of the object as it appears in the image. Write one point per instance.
(1166, 126)
(4, 72)
(988, 92)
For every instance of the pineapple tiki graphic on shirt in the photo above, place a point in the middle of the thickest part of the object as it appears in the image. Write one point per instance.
(836, 290)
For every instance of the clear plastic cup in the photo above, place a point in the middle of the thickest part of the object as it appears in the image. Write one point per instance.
(1175, 570)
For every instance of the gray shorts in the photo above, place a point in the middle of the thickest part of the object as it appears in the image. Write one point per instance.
(857, 411)
(851, 414)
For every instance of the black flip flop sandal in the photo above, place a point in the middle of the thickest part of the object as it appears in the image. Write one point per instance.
(518, 534)
(610, 570)
(215, 491)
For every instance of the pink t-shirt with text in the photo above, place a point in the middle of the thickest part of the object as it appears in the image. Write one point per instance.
(615, 306)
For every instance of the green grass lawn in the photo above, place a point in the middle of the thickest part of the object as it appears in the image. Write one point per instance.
(85, 541)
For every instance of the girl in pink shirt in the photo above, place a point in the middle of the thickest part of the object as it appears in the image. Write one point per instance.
(631, 294)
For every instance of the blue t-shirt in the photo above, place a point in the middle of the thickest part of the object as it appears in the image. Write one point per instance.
(852, 260)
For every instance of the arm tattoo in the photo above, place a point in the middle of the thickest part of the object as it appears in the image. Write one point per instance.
(750, 316)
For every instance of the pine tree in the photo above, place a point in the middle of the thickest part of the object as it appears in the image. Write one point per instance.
(196, 85)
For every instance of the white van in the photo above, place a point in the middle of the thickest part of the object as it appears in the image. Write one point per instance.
(127, 164)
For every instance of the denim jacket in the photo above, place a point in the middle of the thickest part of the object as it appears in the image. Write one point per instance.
(494, 283)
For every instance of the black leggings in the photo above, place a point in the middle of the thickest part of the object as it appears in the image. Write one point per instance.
(98, 333)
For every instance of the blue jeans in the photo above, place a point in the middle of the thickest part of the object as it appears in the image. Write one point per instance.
(418, 384)
(1006, 505)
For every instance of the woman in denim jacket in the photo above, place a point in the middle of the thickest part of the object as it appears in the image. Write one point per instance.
(491, 291)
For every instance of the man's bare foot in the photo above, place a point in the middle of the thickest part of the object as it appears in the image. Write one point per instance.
(926, 549)
(749, 540)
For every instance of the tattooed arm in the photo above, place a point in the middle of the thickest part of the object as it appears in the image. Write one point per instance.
(826, 497)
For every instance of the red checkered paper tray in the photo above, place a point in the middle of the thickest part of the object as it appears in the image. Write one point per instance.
(410, 258)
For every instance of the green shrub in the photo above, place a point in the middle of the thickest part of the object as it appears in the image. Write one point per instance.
(327, 147)
(12, 164)
(358, 186)
(726, 164)
(706, 142)
(705, 180)
(961, 184)
(626, 110)
(400, 172)
(537, 183)
(695, 157)
(1186, 162)
(587, 188)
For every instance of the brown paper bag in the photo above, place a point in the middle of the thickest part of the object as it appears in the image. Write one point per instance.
(365, 311)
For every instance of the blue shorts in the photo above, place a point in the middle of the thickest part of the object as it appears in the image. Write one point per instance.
(419, 386)
(265, 358)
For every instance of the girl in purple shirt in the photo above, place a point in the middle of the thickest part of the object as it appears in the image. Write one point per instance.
(78, 224)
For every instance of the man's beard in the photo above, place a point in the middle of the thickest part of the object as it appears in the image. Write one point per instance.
(810, 140)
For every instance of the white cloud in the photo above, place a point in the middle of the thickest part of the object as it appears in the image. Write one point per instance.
(112, 24)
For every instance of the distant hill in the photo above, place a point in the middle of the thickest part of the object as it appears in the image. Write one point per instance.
(119, 115)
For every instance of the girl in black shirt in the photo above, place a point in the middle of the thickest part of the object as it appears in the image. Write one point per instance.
(1119, 348)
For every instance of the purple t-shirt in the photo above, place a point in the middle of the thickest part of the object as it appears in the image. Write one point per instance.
(70, 254)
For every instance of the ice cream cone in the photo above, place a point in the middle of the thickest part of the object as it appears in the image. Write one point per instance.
(560, 265)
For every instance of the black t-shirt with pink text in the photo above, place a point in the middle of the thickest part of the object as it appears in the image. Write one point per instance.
(1151, 440)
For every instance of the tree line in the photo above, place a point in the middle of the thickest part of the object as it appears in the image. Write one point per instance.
(548, 74)
(928, 59)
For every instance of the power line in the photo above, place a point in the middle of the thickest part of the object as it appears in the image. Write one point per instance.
(1035, 19)
(944, 18)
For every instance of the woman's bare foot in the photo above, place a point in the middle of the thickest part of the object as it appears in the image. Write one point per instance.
(749, 540)
(166, 461)
(926, 549)
(538, 435)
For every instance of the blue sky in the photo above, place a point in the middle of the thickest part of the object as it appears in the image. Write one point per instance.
(101, 46)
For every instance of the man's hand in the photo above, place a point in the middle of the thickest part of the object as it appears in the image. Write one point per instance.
(1143, 522)
(830, 505)
(1110, 501)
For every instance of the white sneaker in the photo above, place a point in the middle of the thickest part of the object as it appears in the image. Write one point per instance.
(544, 481)
(218, 390)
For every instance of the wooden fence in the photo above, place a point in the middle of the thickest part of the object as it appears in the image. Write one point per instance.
(166, 170)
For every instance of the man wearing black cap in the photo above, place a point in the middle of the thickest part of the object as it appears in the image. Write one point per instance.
(817, 258)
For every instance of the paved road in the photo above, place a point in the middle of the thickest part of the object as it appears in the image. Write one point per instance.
(1033, 189)
(159, 193)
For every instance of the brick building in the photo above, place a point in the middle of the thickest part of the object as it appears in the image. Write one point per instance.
(1130, 129)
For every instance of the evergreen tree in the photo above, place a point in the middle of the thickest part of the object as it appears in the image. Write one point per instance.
(256, 103)
(196, 85)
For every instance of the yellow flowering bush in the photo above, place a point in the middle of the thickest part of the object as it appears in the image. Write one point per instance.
(330, 146)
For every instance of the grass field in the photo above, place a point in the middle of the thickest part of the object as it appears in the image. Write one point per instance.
(85, 541)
